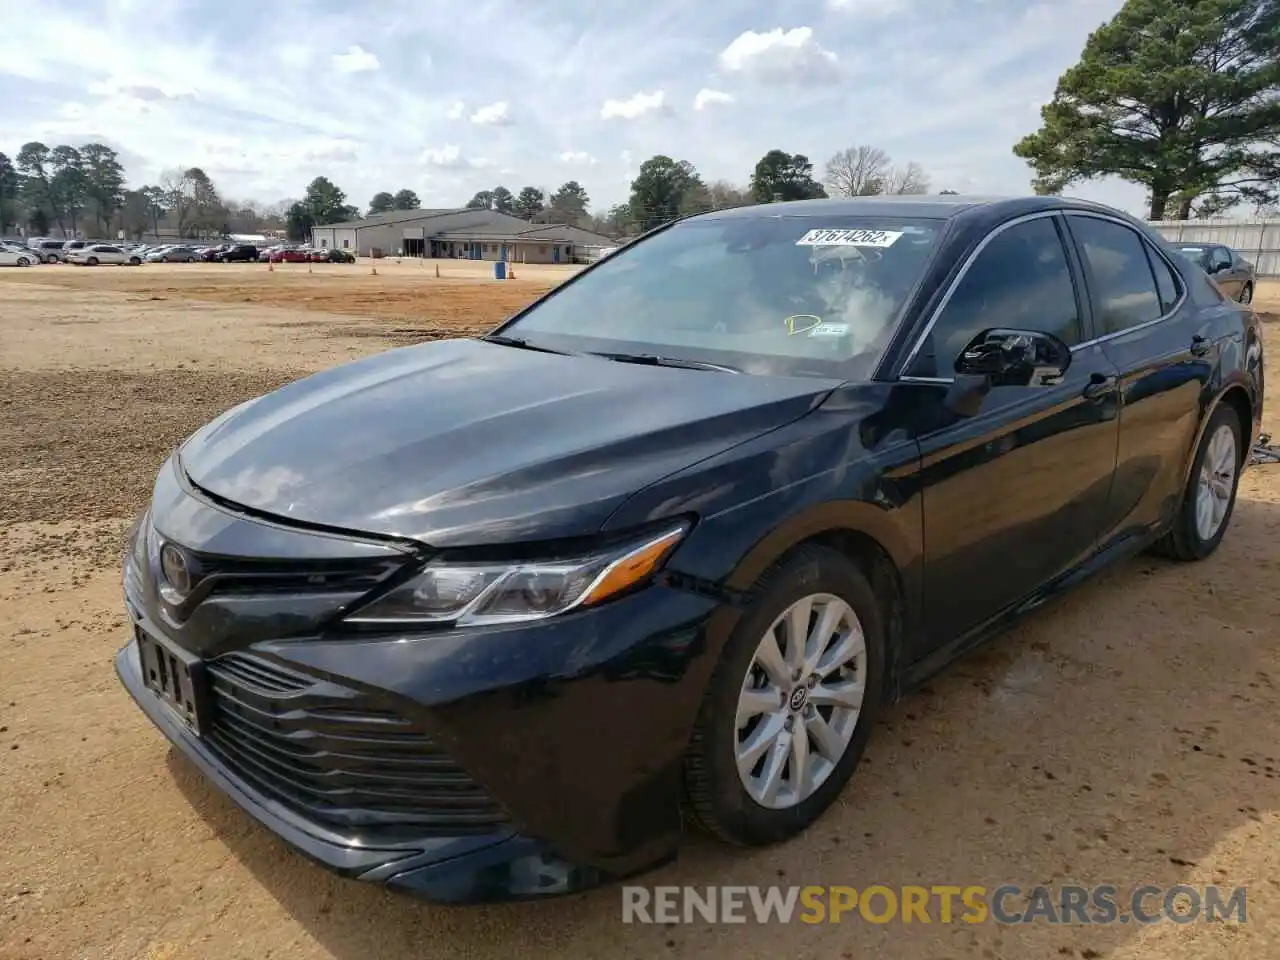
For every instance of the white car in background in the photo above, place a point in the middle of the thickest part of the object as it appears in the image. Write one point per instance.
(94, 254)
(13, 255)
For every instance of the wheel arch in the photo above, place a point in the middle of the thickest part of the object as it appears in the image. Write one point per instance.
(1237, 398)
(867, 536)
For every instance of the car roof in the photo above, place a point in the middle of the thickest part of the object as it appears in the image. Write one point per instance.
(930, 206)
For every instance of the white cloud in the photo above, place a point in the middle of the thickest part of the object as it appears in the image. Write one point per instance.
(707, 97)
(640, 105)
(870, 9)
(781, 56)
(456, 110)
(356, 60)
(493, 114)
(450, 157)
(121, 87)
(578, 158)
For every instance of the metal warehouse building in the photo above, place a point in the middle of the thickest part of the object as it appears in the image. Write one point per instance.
(459, 233)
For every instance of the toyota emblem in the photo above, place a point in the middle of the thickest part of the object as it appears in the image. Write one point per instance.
(177, 574)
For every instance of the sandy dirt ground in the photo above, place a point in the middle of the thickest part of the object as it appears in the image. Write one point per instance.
(1128, 734)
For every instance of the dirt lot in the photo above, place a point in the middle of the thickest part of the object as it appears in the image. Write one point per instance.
(1129, 734)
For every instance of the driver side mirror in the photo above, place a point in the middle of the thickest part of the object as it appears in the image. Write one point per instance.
(1006, 358)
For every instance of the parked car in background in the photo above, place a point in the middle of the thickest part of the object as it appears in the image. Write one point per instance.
(494, 617)
(17, 255)
(1234, 275)
(107, 254)
(289, 255)
(338, 256)
(210, 252)
(238, 253)
(177, 253)
(50, 249)
(74, 246)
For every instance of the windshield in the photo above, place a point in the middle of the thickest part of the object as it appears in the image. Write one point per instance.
(767, 295)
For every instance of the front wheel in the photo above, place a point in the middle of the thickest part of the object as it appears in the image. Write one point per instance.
(135, 262)
(91, 262)
(1210, 495)
(790, 706)
(24, 262)
(1246, 295)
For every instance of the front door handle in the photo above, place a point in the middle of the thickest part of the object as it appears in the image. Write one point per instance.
(1099, 385)
(1200, 345)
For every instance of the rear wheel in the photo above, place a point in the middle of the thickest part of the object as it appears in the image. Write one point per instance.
(791, 704)
(1210, 496)
(1246, 295)
(92, 262)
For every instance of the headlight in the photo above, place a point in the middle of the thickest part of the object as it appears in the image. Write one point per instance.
(484, 593)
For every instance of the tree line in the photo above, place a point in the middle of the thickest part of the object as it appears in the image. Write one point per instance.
(67, 191)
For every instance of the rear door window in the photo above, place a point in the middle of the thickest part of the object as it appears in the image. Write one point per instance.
(1123, 285)
(1167, 282)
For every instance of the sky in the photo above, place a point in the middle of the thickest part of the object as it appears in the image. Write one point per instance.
(450, 98)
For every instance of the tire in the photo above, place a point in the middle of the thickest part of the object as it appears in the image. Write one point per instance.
(1246, 293)
(24, 262)
(91, 262)
(1187, 539)
(717, 795)
(135, 262)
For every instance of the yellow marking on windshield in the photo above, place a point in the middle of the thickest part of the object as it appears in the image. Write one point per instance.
(799, 323)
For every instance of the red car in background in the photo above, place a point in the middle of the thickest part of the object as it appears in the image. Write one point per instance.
(289, 256)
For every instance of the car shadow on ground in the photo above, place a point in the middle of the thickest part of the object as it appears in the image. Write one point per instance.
(1126, 734)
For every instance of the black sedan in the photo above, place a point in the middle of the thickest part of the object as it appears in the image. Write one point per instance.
(1234, 275)
(479, 618)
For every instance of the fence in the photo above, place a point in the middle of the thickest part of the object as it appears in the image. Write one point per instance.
(1256, 240)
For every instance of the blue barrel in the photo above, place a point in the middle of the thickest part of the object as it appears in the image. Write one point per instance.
(500, 270)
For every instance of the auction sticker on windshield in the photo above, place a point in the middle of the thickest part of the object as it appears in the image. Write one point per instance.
(849, 238)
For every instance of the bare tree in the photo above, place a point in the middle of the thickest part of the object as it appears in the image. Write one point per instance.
(908, 179)
(857, 171)
(723, 195)
(179, 197)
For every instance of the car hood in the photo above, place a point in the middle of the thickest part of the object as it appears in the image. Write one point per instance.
(461, 442)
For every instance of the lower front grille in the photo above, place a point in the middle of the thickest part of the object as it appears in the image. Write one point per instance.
(317, 747)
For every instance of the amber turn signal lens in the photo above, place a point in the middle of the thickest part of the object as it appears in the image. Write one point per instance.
(633, 567)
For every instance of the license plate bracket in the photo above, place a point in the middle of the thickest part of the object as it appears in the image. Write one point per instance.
(177, 677)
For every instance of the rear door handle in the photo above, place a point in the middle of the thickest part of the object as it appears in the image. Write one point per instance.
(1099, 385)
(1200, 345)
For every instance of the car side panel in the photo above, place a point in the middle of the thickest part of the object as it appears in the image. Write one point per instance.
(849, 467)
(1015, 496)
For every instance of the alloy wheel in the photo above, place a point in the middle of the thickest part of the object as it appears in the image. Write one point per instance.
(800, 701)
(1216, 482)
(1246, 295)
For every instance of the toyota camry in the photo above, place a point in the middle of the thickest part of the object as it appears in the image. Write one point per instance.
(494, 617)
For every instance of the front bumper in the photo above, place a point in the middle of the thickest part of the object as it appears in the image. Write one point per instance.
(576, 727)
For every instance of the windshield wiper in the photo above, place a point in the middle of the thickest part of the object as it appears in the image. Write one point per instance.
(654, 360)
(519, 342)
